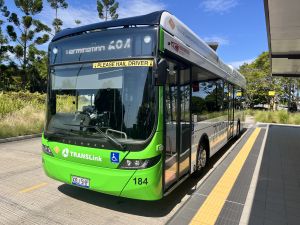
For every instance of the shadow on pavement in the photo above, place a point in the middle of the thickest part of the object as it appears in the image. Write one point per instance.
(158, 208)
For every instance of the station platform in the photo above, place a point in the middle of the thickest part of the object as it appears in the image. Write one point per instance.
(257, 182)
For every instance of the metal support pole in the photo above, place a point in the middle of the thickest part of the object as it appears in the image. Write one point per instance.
(290, 90)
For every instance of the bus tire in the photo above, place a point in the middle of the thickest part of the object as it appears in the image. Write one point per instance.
(202, 155)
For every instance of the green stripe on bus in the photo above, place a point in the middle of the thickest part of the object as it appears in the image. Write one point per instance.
(161, 39)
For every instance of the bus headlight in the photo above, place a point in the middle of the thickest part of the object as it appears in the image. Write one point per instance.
(47, 150)
(133, 164)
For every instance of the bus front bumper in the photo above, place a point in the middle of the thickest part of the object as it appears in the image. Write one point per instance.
(118, 182)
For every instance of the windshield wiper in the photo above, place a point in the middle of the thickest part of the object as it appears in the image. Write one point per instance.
(111, 139)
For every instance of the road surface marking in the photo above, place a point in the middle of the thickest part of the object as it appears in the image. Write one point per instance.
(212, 206)
(33, 187)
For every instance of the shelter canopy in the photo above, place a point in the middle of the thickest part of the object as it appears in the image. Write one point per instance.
(283, 27)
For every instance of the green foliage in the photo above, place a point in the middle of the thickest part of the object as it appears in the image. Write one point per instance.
(260, 81)
(21, 113)
(198, 105)
(22, 65)
(282, 116)
(57, 23)
(4, 47)
(56, 4)
(26, 32)
(77, 22)
(14, 101)
(107, 8)
(9, 77)
(24, 112)
(29, 7)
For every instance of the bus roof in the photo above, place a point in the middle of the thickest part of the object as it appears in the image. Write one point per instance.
(196, 50)
(149, 19)
(173, 26)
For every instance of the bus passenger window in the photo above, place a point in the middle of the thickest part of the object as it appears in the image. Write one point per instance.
(206, 100)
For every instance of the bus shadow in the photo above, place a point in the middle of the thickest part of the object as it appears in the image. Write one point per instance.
(158, 208)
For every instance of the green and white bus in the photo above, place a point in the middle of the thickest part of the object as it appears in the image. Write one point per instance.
(136, 105)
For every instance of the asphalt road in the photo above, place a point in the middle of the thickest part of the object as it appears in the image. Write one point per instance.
(28, 196)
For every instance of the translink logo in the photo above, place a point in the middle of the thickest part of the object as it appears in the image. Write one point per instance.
(66, 153)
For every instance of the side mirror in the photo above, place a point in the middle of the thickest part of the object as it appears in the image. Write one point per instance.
(161, 73)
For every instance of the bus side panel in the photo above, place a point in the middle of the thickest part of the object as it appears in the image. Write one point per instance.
(215, 129)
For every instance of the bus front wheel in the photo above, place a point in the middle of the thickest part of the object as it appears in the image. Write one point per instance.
(201, 157)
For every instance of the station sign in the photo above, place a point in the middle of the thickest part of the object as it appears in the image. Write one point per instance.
(239, 94)
(271, 93)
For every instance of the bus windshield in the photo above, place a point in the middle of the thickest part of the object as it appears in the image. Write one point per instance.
(119, 102)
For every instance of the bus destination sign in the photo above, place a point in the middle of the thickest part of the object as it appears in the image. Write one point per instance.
(106, 45)
(111, 46)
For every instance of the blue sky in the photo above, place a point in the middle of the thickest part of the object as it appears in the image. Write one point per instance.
(238, 25)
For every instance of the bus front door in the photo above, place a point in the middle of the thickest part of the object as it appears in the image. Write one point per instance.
(178, 126)
(184, 121)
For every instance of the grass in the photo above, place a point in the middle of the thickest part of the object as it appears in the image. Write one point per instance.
(275, 116)
(14, 101)
(23, 113)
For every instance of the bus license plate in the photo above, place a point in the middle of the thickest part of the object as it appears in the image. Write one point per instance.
(81, 182)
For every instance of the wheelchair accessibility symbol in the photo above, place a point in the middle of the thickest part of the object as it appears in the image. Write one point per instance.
(114, 157)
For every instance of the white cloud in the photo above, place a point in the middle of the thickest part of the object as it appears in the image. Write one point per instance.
(237, 64)
(88, 14)
(218, 6)
(130, 8)
(69, 15)
(218, 39)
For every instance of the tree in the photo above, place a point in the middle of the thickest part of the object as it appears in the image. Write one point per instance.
(198, 105)
(5, 69)
(260, 81)
(56, 4)
(26, 32)
(10, 76)
(4, 46)
(77, 22)
(38, 70)
(107, 8)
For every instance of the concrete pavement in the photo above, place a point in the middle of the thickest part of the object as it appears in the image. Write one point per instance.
(28, 196)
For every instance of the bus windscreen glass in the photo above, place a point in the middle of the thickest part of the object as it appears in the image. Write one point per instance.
(118, 101)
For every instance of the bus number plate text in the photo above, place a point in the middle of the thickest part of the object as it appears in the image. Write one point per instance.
(81, 182)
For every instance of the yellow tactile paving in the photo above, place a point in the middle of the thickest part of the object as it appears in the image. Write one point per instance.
(211, 208)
